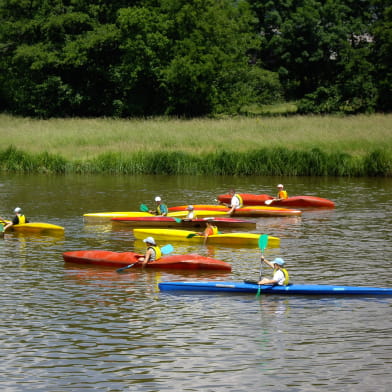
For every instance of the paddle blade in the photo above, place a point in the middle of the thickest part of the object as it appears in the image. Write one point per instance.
(178, 220)
(268, 202)
(191, 235)
(124, 268)
(263, 241)
(143, 208)
(167, 249)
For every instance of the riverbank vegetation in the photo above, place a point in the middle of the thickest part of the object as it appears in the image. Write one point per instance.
(296, 145)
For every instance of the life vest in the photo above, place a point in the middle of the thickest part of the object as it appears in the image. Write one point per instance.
(286, 276)
(161, 209)
(22, 219)
(282, 195)
(212, 230)
(239, 197)
(157, 253)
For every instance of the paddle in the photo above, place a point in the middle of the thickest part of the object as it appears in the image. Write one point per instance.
(191, 235)
(268, 202)
(263, 241)
(164, 250)
(143, 208)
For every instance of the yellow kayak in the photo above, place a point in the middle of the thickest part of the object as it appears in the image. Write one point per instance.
(36, 227)
(105, 217)
(231, 239)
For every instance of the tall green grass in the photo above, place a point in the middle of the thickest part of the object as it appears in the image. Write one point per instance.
(281, 161)
(297, 145)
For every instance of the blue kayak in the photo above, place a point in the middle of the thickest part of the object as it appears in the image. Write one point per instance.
(291, 289)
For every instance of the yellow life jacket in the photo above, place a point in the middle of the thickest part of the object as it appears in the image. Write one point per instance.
(239, 197)
(22, 219)
(282, 195)
(214, 230)
(286, 276)
(157, 252)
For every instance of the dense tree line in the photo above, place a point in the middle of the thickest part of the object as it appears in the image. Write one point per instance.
(193, 57)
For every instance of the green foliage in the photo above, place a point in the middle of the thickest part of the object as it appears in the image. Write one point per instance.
(193, 57)
(263, 162)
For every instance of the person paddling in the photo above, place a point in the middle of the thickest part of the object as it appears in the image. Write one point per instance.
(191, 213)
(280, 276)
(153, 252)
(282, 194)
(235, 203)
(161, 208)
(19, 218)
(210, 229)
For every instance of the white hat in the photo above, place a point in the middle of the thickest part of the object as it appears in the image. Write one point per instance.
(279, 186)
(189, 207)
(149, 240)
(157, 198)
(17, 210)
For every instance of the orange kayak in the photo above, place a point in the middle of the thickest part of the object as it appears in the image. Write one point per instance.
(253, 211)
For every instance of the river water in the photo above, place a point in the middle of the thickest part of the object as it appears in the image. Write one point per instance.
(74, 328)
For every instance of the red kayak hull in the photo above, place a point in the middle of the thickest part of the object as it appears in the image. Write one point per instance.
(165, 221)
(294, 201)
(122, 259)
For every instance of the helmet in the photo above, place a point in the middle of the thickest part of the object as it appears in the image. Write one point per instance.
(189, 207)
(279, 186)
(17, 210)
(149, 240)
(278, 261)
(157, 198)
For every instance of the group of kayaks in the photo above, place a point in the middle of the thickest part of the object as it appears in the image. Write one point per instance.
(175, 227)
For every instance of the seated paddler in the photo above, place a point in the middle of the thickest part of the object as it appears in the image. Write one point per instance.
(280, 275)
(153, 252)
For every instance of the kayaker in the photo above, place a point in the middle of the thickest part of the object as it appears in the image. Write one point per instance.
(161, 208)
(153, 252)
(282, 194)
(191, 213)
(280, 276)
(19, 218)
(210, 229)
(235, 203)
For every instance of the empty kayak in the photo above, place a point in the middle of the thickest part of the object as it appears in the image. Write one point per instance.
(291, 289)
(252, 211)
(250, 199)
(122, 259)
(166, 221)
(36, 227)
(106, 217)
(230, 239)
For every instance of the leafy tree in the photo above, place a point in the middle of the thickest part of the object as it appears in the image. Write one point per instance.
(322, 51)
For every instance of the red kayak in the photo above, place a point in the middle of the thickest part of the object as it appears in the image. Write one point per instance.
(166, 221)
(294, 201)
(122, 259)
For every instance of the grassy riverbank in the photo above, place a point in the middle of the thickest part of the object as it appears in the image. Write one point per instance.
(293, 145)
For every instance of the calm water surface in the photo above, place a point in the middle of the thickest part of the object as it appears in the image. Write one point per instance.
(70, 328)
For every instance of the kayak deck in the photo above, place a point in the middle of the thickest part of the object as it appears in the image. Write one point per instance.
(250, 211)
(230, 239)
(250, 199)
(292, 289)
(166, 221)
(36, 227)
(105, 217)
(122, 259)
